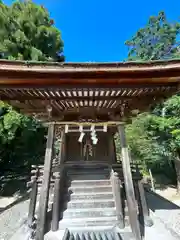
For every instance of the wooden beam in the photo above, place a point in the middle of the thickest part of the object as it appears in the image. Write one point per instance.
(74, 79)
(108, 123)
(74, 113)
(130, 195)
(44, 194)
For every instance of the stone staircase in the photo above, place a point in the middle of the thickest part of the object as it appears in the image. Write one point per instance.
(96, 235)
(89, 204)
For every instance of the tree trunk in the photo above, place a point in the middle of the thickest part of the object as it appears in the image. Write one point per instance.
(177, 167)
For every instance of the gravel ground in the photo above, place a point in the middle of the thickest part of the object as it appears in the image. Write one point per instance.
(159, 231)
(166, 211)
(12, 219)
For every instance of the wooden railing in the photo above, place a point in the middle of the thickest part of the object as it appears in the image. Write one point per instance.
(35, 184)
(138, 189)
(117, 192)
(117, 180)
(135, 170)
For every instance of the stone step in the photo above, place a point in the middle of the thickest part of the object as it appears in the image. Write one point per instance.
(91, 233)
(93, 172)
(87, 228)
(87, 176)
(92, 212)
(96, 222)
(82, 222)
(90, 189)
(76, 183)
(89, 170)
(109, 219)
(84, 196)
(125, 234)
(122, 234)
(100, 203)
(86, 212)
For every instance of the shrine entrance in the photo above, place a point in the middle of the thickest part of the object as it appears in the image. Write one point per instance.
(89, 145)
(83, 191)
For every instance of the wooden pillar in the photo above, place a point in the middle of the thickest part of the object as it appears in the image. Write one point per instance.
(131, 201)
(116, 186)
(112, 150)
(57, 190)
(56, 207)
(114, 147)
(33, 198)
(62, 147)
(44, 193)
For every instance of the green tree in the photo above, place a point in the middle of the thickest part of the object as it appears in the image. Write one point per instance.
(156, 137)
(17, 134)
(165, 127)
(157, 40)
(141, 143)
(28, 33)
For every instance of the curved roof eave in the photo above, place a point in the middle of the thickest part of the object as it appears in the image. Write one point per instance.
(55, 74)
(135, 66)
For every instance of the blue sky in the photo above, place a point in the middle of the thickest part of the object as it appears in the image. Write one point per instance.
(95, 30)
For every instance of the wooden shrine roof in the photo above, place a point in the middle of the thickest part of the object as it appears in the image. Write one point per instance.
(86, 90)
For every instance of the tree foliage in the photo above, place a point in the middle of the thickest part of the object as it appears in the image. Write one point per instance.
(157, 40)
(28, 33)
(138, 134)
(154, 138)
(21, 139)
